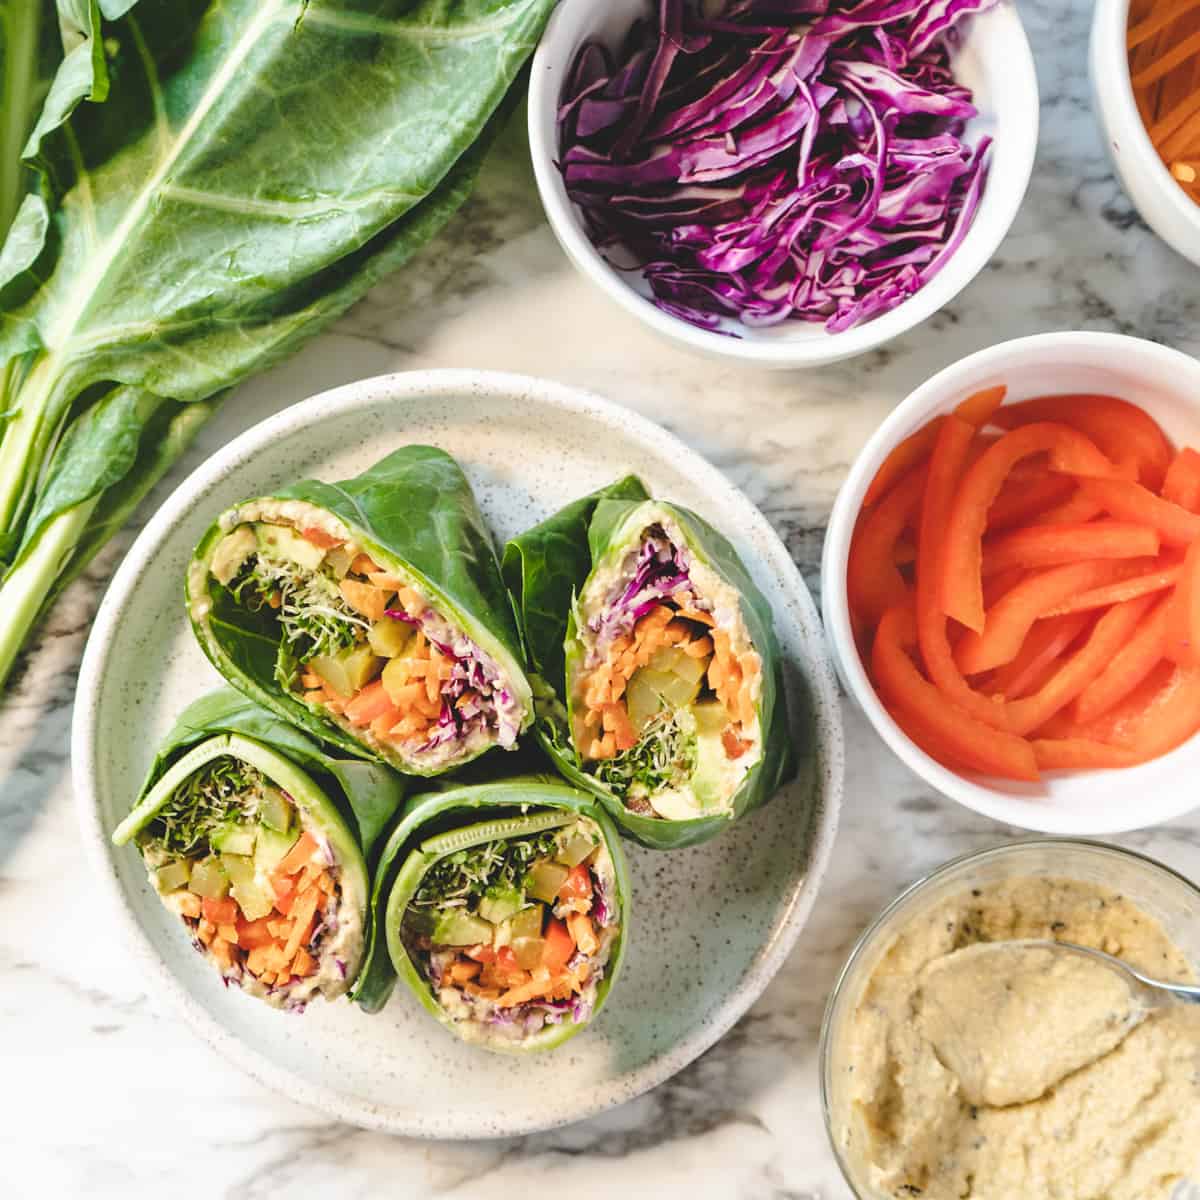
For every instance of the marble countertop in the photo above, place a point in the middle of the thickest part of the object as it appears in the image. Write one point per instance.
(109, 1094)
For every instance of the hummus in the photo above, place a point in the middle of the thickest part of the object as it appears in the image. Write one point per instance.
(1018, 1073)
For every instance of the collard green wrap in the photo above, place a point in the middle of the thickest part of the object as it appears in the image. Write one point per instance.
(414, 516)
(341, 805)
(551, 568)
(438, 823)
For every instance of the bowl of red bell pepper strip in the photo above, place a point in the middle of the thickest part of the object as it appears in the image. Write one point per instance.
(1011, 582)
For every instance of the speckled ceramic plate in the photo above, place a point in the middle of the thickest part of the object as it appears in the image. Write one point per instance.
(710, 925)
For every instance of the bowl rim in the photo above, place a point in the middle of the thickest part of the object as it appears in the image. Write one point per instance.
(1110, 61)
(879, 923)
(913, 411)
(327, 405)
(998, 27)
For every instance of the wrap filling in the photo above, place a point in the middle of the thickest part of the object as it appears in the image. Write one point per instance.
(664, 680)
(514, 935)
(360, 644)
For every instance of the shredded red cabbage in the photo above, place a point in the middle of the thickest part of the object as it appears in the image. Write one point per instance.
(779, 159)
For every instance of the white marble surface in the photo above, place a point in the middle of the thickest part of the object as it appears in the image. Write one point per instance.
(106, 1093)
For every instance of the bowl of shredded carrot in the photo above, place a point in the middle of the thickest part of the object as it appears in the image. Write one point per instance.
(1145, 72)
(1011, 582)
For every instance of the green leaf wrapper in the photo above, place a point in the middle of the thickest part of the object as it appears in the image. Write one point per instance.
(349, 802)
(596, 529)
(402, 863)
(415, 514)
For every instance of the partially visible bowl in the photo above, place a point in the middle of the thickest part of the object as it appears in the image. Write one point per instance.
(1166, 383)
(994, 61)
(1163, 894)
(1163, 204)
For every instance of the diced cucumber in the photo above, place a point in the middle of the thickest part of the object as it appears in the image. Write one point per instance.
(274, 811)
(209, 879)
(544, 880)
(338, 560)
(348, 671)
(281, 541)
(173, 875)
(234, 839)
(528, 952)
(574, 846)
(457, 927)
(232, 550)
(390, 637)
(528, 922)
(272, 845)
(254, 899)
(499, 903)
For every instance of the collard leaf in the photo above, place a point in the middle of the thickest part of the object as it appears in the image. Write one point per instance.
(414, 509)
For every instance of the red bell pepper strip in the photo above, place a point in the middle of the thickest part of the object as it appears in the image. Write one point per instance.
(1052, 545)
(1119, 428)
(1132, 664)
(1129, 501)
(873, 582)
(1112, 631)
(903, 689)
(910, 453)
(1158, 717)
(1070, 452)
(979, 409)
(945, 472)
(1080, 754)
(1012, 617)
(1183, 613)
(1020, 501)
(1141, 583)
(1077, 510)
(1040, 653)
(1182, 484)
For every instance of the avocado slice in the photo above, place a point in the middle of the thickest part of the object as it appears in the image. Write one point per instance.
(500, 903)
(455, 927)
(281, 541)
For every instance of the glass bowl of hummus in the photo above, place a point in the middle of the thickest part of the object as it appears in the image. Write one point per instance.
(1022, 1071)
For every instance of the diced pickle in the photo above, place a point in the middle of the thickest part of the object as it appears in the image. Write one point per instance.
(349, 671)
(338, 560)
(274, 811)
(272, 845)
(670, 660)
(172, 876)
(528, 952)
(711, 718)
(390, 637)
(458, 928)
(254, 899)
(528, 922)
(209, 879)
(233, 839)
(574, 846)
(642, 701)
(544, 880)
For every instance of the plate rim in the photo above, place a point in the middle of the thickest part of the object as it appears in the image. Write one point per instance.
(367, 393)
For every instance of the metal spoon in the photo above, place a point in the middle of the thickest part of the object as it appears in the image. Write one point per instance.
(1155, 991)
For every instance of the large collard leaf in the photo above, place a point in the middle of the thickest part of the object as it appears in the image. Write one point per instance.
(256, 167)
(545, 566)
(413, 509)
(368, 794)
(454, 806)
(614, 522)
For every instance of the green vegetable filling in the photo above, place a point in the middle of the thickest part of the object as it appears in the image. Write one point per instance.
(223, 794)
(664, 757)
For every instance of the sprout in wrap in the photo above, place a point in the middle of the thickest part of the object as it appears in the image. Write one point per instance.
(503, 906)
(245, 827)
(370, 612)
(659, 675)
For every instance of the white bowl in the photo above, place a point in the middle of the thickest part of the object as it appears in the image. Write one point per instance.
(994, 61)
(1163, 204)
(1166, 384)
